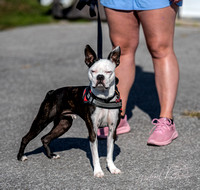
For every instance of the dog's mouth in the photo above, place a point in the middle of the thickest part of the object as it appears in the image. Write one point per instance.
(100, 84)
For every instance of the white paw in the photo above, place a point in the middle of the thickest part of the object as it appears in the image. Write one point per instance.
(56, 156)
(24, 158)
(115, 171)
(98, 174)
(74, 116)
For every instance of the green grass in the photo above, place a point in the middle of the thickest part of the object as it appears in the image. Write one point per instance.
(15, 13)
(192, 114)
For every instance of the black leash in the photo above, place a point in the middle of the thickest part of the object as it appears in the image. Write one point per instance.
(92, 4)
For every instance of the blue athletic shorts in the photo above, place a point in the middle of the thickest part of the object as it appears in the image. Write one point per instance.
(137, 4)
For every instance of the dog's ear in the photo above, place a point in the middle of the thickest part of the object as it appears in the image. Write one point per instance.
(90, 56)
(114, 55)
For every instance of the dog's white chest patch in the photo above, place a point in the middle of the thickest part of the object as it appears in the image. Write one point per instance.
(104, 117)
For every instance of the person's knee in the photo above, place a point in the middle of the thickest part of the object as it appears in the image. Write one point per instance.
(159, 50)
(128, 47)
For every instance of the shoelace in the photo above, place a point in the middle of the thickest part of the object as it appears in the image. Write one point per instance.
(161, 125)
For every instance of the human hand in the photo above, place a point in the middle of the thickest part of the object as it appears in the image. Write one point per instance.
(90, 3)
(175, 1)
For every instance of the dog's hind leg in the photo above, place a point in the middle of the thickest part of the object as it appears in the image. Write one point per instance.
(42, 119)
(35, 129)
(60, 127)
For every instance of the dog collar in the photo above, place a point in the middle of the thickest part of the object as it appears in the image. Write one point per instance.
(89, 97)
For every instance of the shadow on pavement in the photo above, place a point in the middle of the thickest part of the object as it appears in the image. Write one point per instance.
(143, 94)
(64, 144)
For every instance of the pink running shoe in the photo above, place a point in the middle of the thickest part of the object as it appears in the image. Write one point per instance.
(163, 133)
(122, 128)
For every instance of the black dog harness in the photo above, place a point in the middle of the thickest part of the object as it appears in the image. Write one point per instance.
(89, 97)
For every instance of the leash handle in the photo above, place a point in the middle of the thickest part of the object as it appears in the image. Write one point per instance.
(92, 3)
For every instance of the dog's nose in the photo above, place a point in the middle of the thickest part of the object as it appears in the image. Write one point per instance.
(100, 77)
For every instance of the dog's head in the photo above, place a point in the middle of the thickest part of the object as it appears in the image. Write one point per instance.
(101, 72)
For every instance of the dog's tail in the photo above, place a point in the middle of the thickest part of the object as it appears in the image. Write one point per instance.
(46, 105)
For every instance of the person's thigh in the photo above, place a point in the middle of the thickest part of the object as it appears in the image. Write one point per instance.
(124, 32)
(158, 27)
(124, 29)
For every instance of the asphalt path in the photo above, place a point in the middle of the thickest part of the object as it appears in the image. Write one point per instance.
(36, 59)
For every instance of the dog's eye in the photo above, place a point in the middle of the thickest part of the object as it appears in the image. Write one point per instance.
(93, 71)
(108, 72)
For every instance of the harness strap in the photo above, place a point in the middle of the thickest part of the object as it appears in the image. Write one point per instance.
(89, 97)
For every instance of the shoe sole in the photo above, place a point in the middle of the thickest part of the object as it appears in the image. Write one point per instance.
(174, 136)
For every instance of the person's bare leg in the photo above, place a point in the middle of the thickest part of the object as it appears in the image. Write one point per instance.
(158, 26)
(124, 32)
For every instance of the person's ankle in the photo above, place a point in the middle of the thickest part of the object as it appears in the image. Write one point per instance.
(171, 119)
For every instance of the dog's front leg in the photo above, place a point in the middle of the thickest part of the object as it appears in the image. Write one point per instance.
(95, 158)
(92, 129)
(110, 147)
